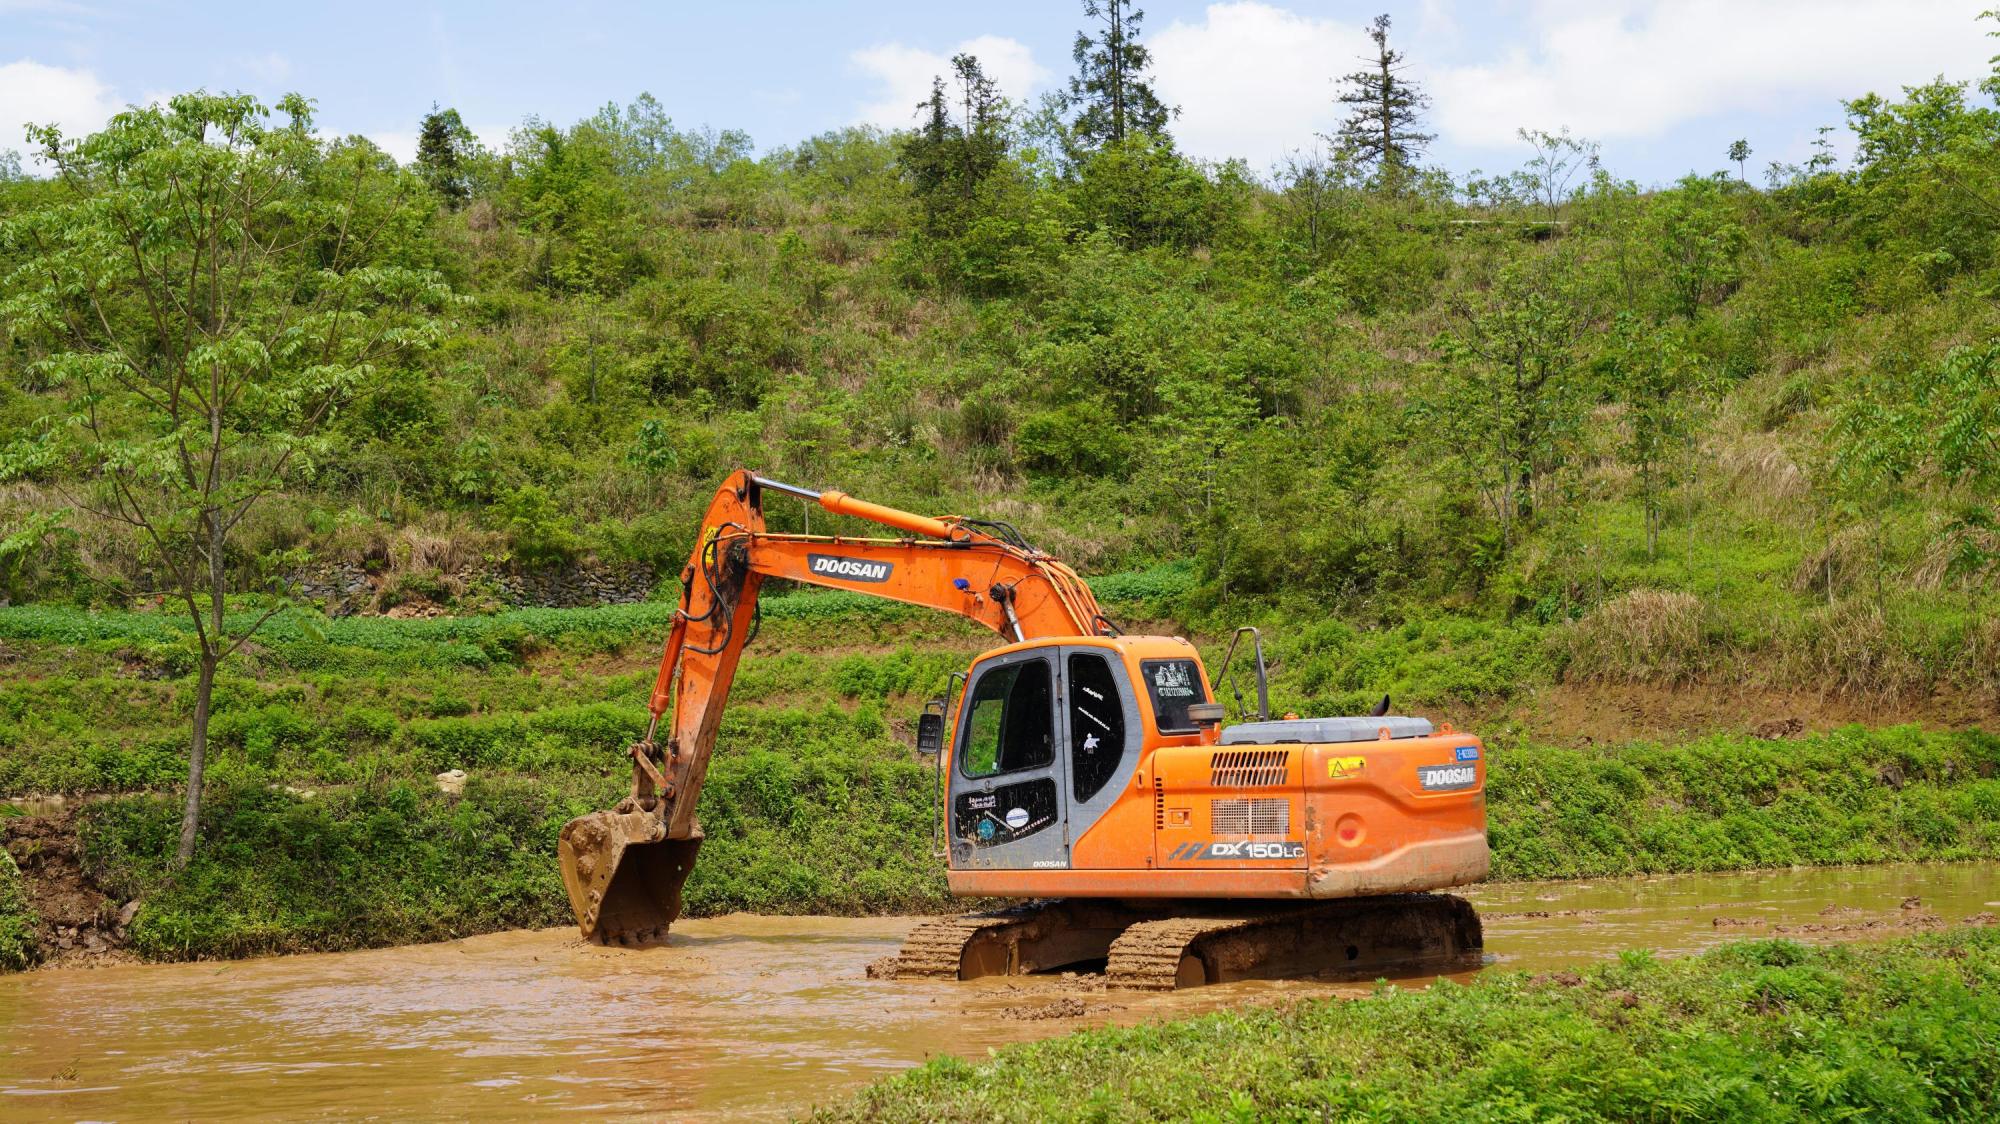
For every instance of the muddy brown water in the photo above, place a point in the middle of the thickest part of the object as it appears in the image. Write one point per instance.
(737, 1016)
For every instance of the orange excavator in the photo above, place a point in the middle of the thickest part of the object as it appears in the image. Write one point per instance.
(1087, 772)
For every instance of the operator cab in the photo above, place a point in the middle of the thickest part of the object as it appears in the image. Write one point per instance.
(1050, 733)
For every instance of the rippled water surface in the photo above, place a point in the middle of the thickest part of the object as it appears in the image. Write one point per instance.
(738, 1015)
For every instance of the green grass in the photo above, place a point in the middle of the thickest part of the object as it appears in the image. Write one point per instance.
(814, 802)
(822, 811)
(810, 812)
(1759, 1030)
(18, 946)
(1727, 803)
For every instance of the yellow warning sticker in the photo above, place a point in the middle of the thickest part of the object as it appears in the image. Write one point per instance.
(1341, 768)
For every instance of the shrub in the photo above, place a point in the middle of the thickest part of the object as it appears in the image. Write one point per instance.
(1642, 636)
(18, 946)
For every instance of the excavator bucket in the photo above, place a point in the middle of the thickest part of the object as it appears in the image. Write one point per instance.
(624, 876)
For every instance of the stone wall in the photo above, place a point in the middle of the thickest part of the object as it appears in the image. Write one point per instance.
(346, 588)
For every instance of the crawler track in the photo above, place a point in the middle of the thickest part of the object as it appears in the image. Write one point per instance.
(1357, 936)
(1167, 945)
(935, 950)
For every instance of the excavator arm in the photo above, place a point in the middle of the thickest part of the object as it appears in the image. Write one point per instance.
(624, 869)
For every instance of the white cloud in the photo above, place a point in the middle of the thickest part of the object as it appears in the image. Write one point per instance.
(270, 67)
(31, 92)
(1253, 80)
(903, 74)
(401, 144)
(1632, 69)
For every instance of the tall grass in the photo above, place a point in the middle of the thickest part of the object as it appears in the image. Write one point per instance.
(1758, 1030)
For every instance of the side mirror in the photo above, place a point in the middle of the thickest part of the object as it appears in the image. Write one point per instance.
(930, 733)
(1205, 714)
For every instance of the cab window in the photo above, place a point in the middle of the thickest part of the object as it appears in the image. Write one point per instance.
(1173, 686)
(1009, 722)
(1096, 725)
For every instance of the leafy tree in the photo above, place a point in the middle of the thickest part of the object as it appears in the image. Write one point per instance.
(1205, 419)
(566, 187)
(1145, 192)
(1508, 402)
(206, 289)
(1550, 175)
(649, 147)
(1653, 376)
(1110, 93)
(1698, 240)
(1925, 178)
(947, 158)
(1309, 186)
(1382, 129)
(445, 148)
(1940, 419)
(1739, 154)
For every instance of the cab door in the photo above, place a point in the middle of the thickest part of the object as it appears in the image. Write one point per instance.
(1100, 733)
(1007, 776)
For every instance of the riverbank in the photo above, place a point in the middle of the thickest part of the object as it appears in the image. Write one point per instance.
(515, 1025)
(325, 828)
(825, 812)
(1755, 1030)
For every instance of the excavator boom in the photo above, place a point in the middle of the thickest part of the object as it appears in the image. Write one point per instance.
(625, 868)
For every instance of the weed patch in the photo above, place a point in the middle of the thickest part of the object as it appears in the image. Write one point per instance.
(1761, 1030)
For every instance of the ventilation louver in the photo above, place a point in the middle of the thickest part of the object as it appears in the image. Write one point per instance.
(1249, 768)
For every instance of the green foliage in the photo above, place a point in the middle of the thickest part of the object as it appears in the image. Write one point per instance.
(445, 148)
(1754, 1030)
(1509, 399)
(1726, 803)
(374, 865)
(1109, 92)
(1377, 402)
(19, 946)
(812, 804)
(808, 812)
(539, 528)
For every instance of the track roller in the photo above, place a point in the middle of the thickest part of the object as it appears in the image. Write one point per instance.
(1160, 946)
(1359, 937)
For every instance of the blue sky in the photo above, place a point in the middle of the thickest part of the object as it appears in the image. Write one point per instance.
(1664, 86)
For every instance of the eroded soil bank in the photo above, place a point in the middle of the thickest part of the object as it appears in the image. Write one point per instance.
(740, 1015)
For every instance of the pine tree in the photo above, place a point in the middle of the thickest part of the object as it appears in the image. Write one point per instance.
(1110, 87)
(444, 147)
(1382, 127)
(946, 160)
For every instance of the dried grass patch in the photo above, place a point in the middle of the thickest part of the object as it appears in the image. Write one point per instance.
(1641, 636)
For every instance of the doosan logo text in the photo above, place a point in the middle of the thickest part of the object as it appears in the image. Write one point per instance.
(853, 569)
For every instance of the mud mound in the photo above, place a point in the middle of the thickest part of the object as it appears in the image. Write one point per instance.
(77, 919)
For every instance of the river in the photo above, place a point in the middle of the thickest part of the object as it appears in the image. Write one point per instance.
(737, 1016)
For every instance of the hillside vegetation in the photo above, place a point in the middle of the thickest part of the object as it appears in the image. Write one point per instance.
(326, 829)
(1710, 430)
(1471, 441)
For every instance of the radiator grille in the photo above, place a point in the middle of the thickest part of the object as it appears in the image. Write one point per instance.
(1249, 768)
(1235, 815)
